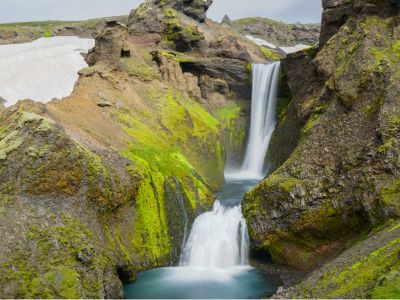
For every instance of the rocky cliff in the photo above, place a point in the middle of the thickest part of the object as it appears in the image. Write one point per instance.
(101, 185)
(275, 32)
(337, 178)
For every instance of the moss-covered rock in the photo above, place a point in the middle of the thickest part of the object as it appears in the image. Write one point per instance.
(369, 270)
(341, 177)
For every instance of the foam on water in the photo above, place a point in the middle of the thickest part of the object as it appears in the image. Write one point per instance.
(41, 70)
(218, 239)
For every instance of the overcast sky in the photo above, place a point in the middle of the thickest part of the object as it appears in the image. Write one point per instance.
(35, 10)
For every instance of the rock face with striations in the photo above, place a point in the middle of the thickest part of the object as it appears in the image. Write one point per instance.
(338, 175)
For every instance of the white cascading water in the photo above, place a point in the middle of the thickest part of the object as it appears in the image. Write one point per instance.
(263, 121)
(219, 238)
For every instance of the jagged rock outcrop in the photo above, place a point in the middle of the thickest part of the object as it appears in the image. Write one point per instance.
(110, 44)
(197, 9)
(340, 174)
(226, 21)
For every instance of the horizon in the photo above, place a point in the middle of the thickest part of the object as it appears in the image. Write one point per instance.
(287, 11)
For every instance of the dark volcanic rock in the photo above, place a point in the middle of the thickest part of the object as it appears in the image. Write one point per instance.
(226, 20)
(148, 14)
(341, 176)
(197, 9)
(110, 44)
(337, 12)
(229, 47)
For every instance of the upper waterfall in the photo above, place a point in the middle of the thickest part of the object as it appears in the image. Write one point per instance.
(263, 120)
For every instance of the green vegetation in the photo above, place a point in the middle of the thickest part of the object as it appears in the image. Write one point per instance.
(318, 112)
(391, 195)
(48, 34)
(179, 141)
(282, 106)
(141, 71)
(270, 54)
(62, 277)
(177, 56)
(375, 276)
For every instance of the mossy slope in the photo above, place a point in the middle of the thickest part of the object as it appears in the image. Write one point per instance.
(341, 179)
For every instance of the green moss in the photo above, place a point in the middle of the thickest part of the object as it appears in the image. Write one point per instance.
(318, 112)
(151, 239)
(10, 143)
(177, 56)
(270, 54)
(192, 34)
(374, 107)
(391, 195)
(228, 112)
(180, 141)
(394, 228)
(44, 123)
(282, 106)
(48, 34)
(387, 145)
(49, 274)
(367, 271)
(396, 48)
(142, 71)
(172, 25)
(61, 282)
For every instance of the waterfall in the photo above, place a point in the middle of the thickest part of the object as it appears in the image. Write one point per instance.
(263, 120)
(219, 238)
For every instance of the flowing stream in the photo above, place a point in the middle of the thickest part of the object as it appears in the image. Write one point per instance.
(214, 261)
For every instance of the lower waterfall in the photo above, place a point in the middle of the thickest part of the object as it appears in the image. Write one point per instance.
(215, 257)
(218, 239)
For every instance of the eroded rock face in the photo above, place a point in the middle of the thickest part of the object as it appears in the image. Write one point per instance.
(337, 12)
(342, 176)
(197, 9)
(110, 44)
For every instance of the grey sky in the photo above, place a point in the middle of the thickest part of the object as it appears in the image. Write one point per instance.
(34, 10)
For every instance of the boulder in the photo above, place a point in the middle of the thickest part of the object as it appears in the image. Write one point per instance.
(110, 44)
(230, 47)
(196, 9)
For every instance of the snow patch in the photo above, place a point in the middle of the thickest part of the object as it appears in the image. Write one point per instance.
(294, 49)
(41, 70)
(260, 42)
